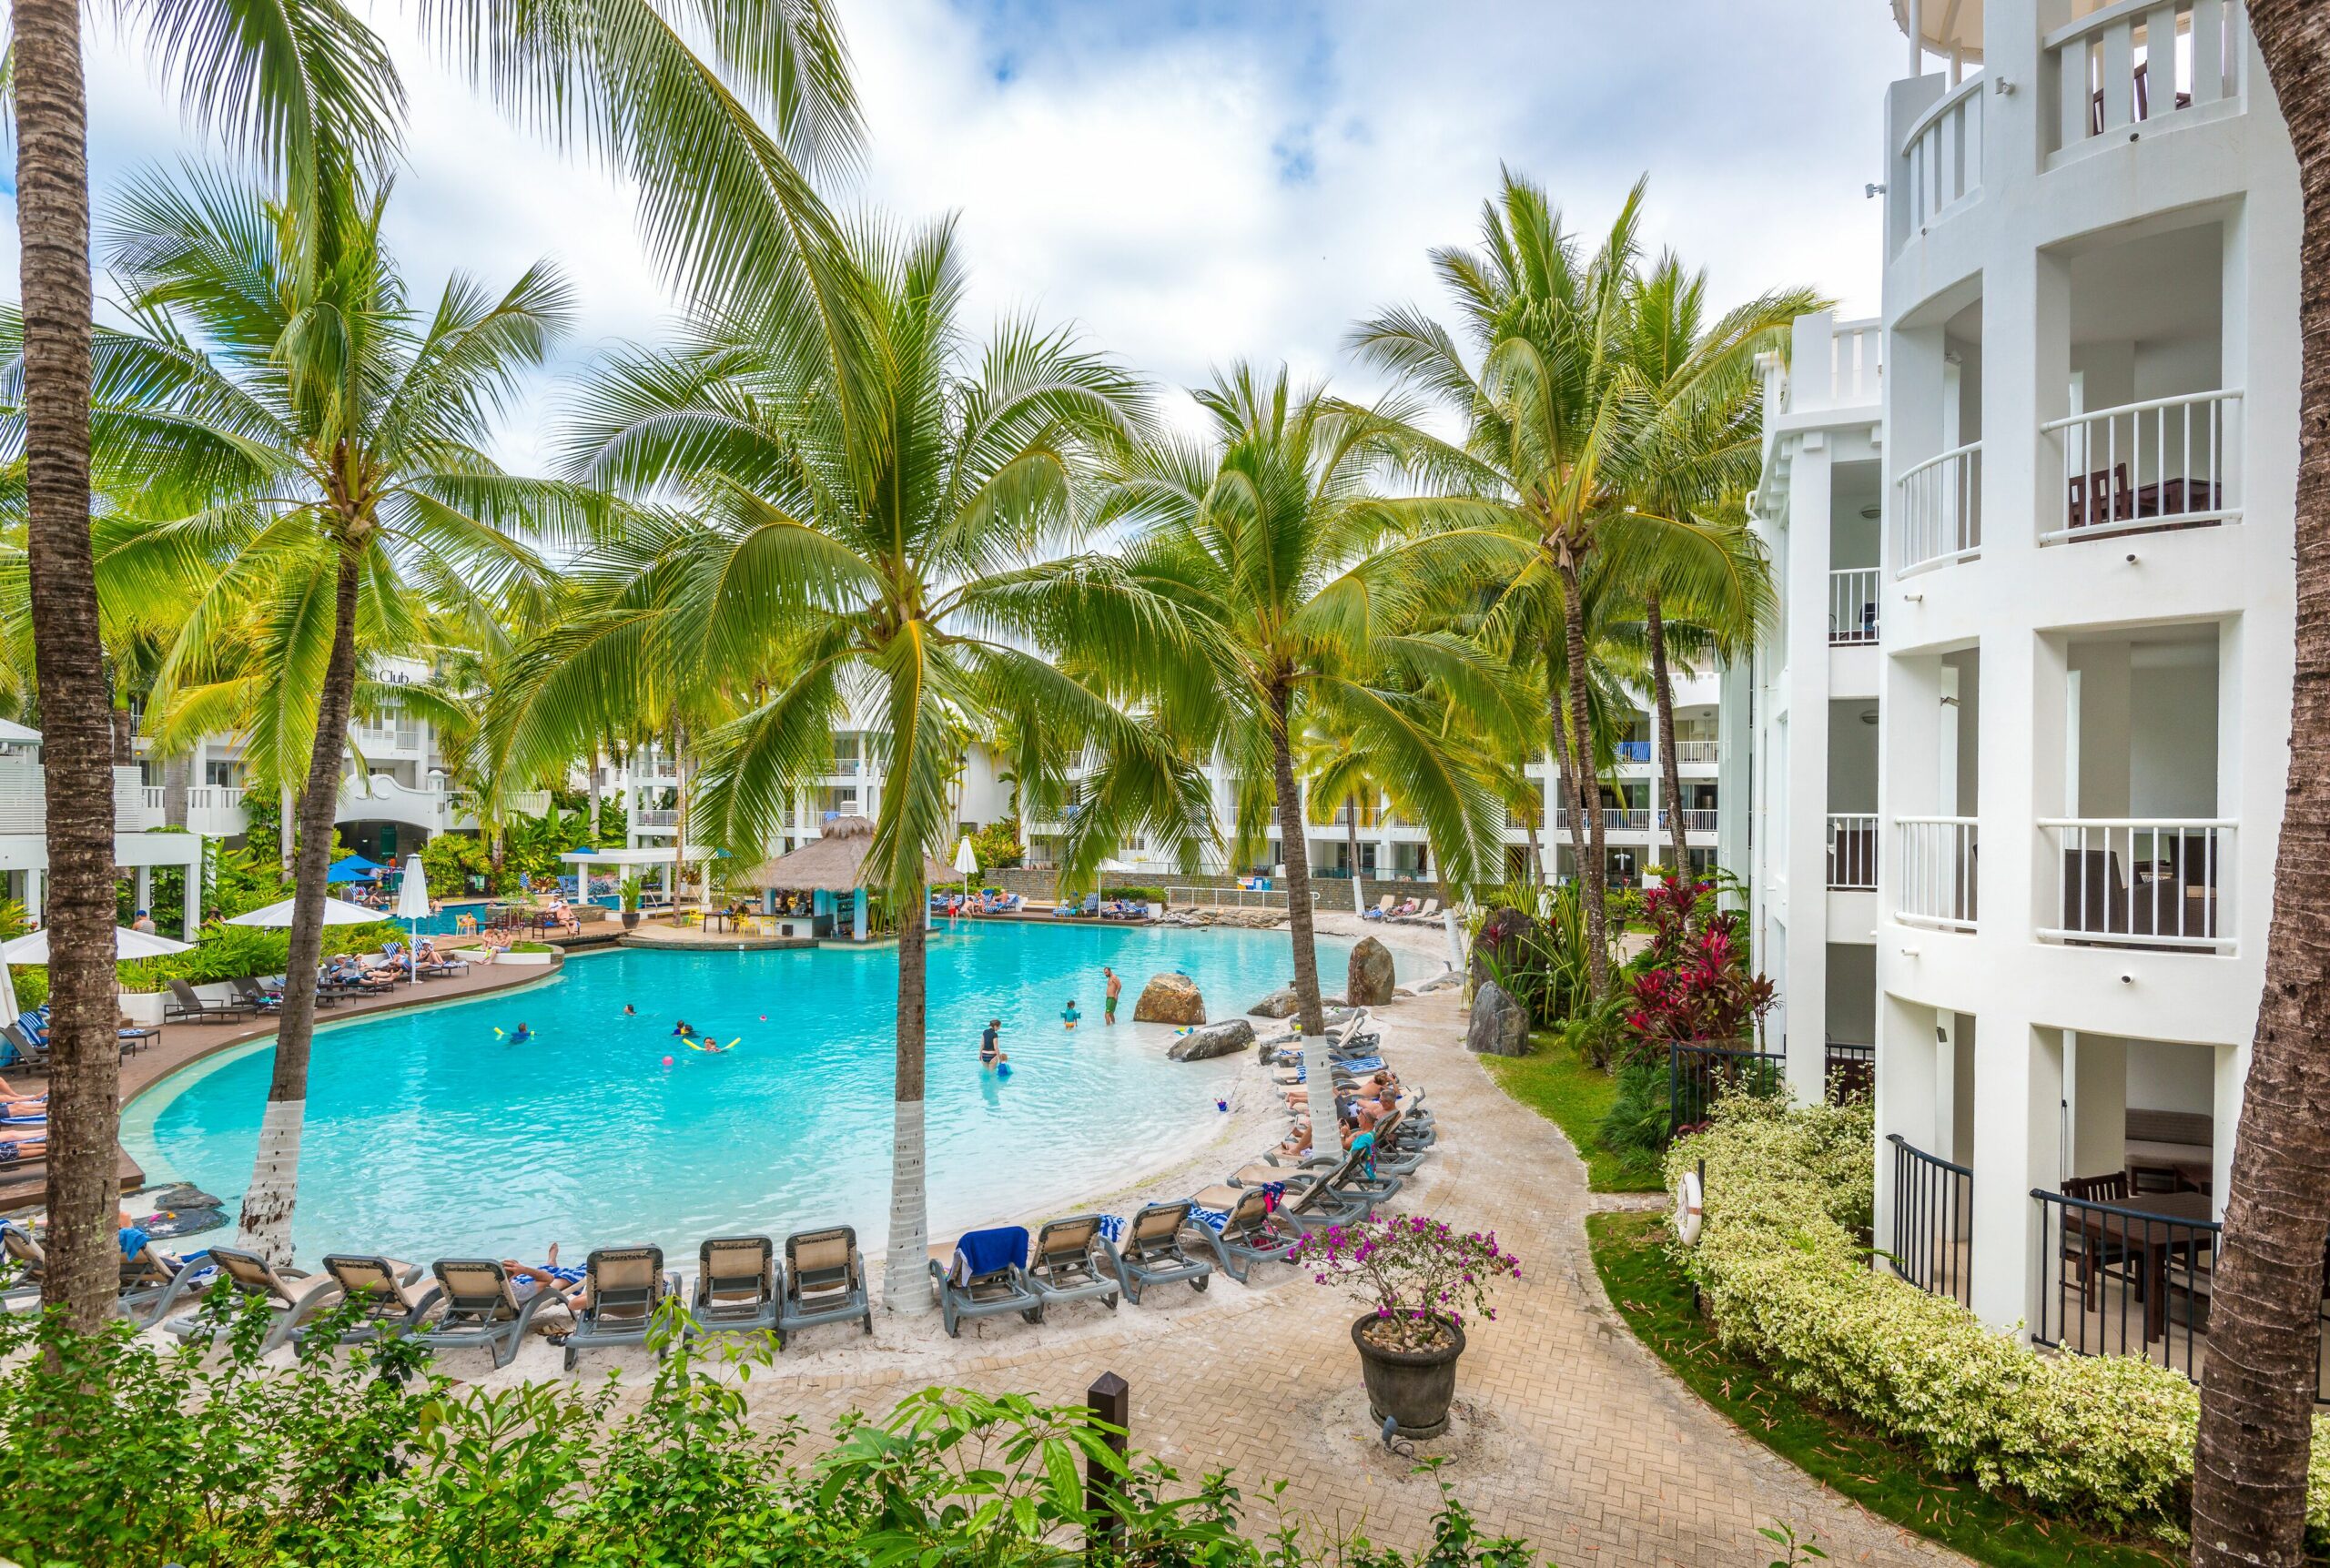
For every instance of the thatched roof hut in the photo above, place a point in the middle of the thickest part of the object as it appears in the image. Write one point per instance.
(835, 862)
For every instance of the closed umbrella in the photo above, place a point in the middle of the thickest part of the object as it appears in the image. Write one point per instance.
(967, 861)
(412, 906)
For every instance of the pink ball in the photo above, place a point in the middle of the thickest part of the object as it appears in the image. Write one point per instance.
(667, 1061)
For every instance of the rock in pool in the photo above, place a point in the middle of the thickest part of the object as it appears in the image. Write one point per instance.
(1169, 999)
(1372, 980)
(1214, 1040)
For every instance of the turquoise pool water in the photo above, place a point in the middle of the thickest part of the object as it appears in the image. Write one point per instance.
(430, 1136)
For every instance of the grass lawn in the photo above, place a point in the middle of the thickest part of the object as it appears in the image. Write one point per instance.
(1574, 1095)
(1881, 1475)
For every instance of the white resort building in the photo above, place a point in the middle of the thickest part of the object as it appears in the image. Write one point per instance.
(2020, 743)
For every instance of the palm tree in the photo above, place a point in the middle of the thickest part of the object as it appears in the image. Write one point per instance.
(323, 441)
(307, 89)
(868, 530)
(2249, 1481)
(1564, 436)
(1271, 541)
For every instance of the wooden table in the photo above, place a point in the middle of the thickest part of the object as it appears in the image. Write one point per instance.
(2165, 1223)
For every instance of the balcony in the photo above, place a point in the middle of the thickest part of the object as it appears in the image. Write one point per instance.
(1696, 819)
(2101, 67)
(1852, 852)
(656, 817)
(2141, 883)
(1940, 503)
(1938, 168)
(1852, 606)
(1701, 753)
(1632, 750)
(1939, 867)
(24, 804)
(2164, 463)
(1832, 364)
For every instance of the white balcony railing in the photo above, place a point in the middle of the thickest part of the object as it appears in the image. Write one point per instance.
(2166, 462)
(2102, 66)
(2148, 881)
(1939, 867)
(1833, 365)
(1852, 604)
(1696, 819)
(1940, 161)
(1703, 752)
(1852, 851)
(1616, 819)
(664, 816)
(1941, 509)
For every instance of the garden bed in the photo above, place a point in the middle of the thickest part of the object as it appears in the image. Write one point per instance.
(1630, 1254)
(1575, 1096)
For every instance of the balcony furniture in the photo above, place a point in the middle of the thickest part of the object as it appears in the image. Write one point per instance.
(2095, 896)
(2105, 496)
(2160, 1141)
(2169, 1226)
(2094, 1247)
(2144, 101)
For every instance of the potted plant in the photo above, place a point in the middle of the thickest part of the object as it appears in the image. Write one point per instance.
(1419, 1278)
(629, 895)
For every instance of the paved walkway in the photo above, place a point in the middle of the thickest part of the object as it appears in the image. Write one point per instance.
(1568, 1432)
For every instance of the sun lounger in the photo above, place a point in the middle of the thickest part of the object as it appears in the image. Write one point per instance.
(625, 1287)
(1250, 1232)
(1152, 1252)
(149, 1287)
(1382, 908)
(291, 1296)
(1429, 910)
(736, 1287)
(986, 1278)
(1074, 1262)
(824, 1282)
(482, 1308)
(184, 1007)
(256, 998)
(395, 1296)
(31, 1050)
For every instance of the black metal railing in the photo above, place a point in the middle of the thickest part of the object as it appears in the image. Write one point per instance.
(1932, 1243)
(1849, 1072)
(1698, 1076)
(2119, 1280)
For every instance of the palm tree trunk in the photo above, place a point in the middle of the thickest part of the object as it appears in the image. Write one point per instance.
(1662, 700)
(177, 773)
(1296, 850)
(906, 1272)
(266, 1227)
(84, 1074)
(2249, 1481)
(1593, 874)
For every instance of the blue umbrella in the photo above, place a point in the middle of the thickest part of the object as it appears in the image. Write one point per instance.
(352, 868)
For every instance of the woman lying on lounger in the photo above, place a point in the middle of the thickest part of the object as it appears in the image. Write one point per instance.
(569, 1285)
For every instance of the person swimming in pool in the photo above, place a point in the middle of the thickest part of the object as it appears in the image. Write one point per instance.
(629, 1011)
(1069, 1017)
(521, 1035)
(684, 1029)
(990, 1054)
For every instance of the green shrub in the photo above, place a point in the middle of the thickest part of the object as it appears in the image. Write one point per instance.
(1636, 1121)
(1789, 1190)
(998, 845)
(231, 952)
(118, 1452)
(32, 985)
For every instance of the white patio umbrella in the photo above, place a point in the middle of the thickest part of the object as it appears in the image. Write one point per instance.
(412, 906)
(337, 911)
(32, 950)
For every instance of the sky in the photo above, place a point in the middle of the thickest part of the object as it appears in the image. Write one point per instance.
(1191, 182)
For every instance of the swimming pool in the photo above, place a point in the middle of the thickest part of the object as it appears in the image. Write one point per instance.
(430, 1136)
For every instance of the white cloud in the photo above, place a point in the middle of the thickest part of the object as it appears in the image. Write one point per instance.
(1196, 183)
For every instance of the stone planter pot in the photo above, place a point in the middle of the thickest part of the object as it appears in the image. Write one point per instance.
(536, 958)
(1413, 1388)
(630, 919)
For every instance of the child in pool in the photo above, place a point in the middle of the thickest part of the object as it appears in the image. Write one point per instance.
(629, 1011)
(521, 1035)
(1069, 1017)
(684, 1029)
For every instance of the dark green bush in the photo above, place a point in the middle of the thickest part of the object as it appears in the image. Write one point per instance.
(117, 1453)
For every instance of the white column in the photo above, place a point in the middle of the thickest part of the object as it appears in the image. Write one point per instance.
(141, 882)
(33, 878)
(1803, 847)
(857, 915)
(194, 891)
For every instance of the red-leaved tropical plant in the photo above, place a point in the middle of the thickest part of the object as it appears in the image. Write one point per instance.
(1698, 986)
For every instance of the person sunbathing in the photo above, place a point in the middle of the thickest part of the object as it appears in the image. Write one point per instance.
(571, 1285)
(23, 1143)
(1298, 1142)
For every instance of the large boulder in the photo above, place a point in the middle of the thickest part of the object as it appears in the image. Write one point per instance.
(1169, 999)
(1500, 1025)
(1212, 1040)
(1372, 981)
(1281, 1002)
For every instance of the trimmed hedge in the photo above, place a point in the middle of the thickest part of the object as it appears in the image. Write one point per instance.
(2108, 1439)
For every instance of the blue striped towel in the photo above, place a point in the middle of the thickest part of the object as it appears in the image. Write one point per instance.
(1112, 1226)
